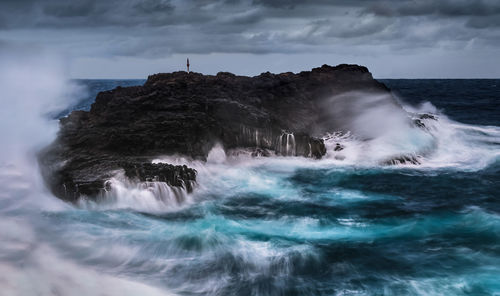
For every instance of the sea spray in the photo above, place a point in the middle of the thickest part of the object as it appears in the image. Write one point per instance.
(296, 226)
(271, 225)
(152, 196)
(33, 256)
(217, 155)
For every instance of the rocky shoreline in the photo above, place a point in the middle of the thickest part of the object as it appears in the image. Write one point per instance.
(187, 114)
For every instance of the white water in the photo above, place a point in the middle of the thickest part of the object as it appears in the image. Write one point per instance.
(286, 144)
(34, 87)
(446, 145)
(50, 248)
(443, 144)
(152, 197)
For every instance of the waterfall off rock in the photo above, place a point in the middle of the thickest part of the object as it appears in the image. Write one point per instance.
(121, 193)
(286, 144)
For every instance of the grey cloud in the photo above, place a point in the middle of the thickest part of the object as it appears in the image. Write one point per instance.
(484, 22)
(70, 9)
(156, 28)
(448, 8)
(292, 4)
(85, 13)
(154, 6)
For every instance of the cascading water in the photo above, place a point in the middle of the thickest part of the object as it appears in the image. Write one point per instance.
(255, 137)
(122, 193)
(286, 144)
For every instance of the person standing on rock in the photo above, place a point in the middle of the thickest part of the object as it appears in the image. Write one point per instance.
(187, 65)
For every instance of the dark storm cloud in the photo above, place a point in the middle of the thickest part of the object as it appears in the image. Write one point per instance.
(447, 8)
(484, 22)
(68, 10)
(155, 28)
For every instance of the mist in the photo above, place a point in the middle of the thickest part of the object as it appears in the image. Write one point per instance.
(34, 86)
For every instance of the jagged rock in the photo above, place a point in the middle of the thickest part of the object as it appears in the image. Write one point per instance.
(187, 113)
(428, 116)
(418, 121)
(180, 176)
(87, 175)
(318, 148)
(258, 152)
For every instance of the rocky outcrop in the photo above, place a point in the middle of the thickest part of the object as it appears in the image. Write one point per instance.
(187, 113)
(72, 176)
(420, 118)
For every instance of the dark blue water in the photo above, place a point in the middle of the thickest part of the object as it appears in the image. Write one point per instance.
(475, 101)
(293, 226)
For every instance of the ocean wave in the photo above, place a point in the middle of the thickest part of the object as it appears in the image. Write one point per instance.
(342, 225)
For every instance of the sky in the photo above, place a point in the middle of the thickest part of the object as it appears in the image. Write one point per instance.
(135, 38)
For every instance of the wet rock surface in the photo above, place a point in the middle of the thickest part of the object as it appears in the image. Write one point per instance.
(187, 113)
(402, 159)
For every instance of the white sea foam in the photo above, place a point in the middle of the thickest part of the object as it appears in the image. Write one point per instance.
(44, 272)
(49, 248)
(377, 130)
(35, 87)
(443, 143)
(153, 197)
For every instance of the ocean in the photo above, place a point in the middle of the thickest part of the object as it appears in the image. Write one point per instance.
(343, 225)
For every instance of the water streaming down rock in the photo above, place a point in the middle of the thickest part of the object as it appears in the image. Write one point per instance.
(264, 141)
(94, 180)
(255, 137)
(122, 192)
(286, 144)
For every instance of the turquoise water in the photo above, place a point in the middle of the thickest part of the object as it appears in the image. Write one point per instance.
(342, 231)
(285, 226)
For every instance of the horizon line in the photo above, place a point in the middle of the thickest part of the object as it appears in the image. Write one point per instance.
(407, 78)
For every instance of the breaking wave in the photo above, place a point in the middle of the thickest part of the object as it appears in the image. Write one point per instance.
(440, 143)
(32, 259)
(122, 193)
(278, 225)
(260, 225)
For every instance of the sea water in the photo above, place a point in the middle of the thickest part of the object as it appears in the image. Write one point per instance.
(343, 225)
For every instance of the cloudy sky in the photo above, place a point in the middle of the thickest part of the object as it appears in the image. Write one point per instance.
(134, 38)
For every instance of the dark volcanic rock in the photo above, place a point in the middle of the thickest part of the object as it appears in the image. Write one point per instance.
(161, 172)
(338, 147)
(87, 174)
(258, 152)
(186, 113)
(402, 159)
(419, 120)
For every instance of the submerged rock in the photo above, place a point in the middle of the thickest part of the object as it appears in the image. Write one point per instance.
(180, 176)
(419, 121)
(258, 152)
(187, 113)
(402, 159)
(338, 147)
